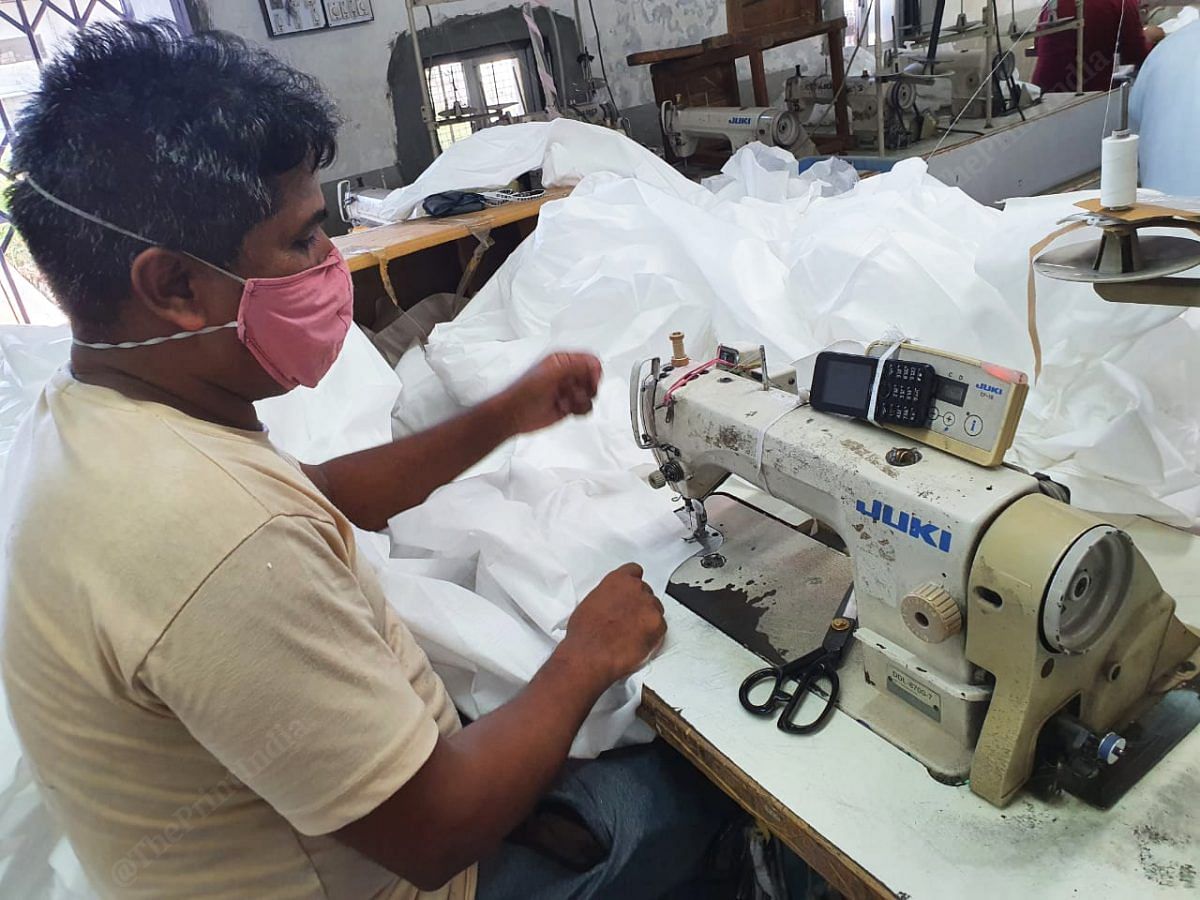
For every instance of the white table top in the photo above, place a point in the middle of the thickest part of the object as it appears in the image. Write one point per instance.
(926, 840)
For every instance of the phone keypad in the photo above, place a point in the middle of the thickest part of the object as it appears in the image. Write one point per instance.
(905, 393)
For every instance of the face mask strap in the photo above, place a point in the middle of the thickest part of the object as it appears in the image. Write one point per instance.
(96, 220)
(129, 345)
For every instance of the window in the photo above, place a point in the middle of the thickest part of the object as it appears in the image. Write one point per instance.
(487, 78)
(860, 19)
(501, 81)
(852, 13)
(447, 86)
(30, 33)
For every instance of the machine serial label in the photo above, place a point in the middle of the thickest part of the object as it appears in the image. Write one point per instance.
(907, 523)
(915, 694)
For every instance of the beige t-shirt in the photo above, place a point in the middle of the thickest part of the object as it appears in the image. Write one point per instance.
(204, 680)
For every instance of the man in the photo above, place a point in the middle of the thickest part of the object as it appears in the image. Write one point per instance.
(214, 695)
(1165, 114)
(1108, 25)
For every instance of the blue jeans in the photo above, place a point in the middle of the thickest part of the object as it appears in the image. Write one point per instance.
(656, 815)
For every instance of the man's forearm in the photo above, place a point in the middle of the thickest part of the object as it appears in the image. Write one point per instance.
(507, 760)
(482, 782)
(371, 486)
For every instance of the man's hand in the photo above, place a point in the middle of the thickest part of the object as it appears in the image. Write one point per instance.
(481, 782)
(617, 627)
(1153, 34)
(562, 384)
(373, 485)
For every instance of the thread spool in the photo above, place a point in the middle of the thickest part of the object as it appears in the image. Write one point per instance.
(679, 357)
(1119, 171)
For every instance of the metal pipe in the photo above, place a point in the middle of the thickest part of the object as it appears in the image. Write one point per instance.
(935, 33)
(990, 26)
(585, 61)
(426, 98)
(560, 73)
(578, 26)
(879, 75)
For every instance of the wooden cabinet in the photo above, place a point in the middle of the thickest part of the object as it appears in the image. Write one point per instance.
(751, 15)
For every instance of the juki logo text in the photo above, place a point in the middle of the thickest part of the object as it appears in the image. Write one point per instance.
(907, 523)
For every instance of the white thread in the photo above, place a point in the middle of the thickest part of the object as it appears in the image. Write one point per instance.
(1118, 171)
(129, 345)
(760, 445)
(1116, 59)
(878, 378)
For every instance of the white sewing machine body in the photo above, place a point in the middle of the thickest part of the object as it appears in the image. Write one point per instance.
(683, 127)
(936, 545)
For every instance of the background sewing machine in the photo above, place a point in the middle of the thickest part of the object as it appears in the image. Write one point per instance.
(1002, 633)
(684, 128)
(922, 97)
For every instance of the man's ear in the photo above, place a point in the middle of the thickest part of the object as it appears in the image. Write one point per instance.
(165, 284)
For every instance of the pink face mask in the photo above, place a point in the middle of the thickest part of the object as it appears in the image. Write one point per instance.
(294, 326)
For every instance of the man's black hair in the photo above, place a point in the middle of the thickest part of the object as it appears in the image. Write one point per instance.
(178, 139)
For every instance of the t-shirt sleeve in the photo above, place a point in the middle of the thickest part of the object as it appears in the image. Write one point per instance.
(279, 667)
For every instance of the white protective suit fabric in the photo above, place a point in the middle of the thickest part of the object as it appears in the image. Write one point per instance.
(493, 156)
(756, 258)
(1186, 16)
(565, 150)
(29, 355)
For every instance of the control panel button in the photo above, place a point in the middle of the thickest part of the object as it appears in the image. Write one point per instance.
(973, 425)
(949, 419)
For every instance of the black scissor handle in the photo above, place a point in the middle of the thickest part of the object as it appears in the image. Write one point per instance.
(787, 719)
(777, 696)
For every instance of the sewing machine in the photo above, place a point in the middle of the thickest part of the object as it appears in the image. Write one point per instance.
(914, 100)
(966, 68)
(911, 107)
(683, 127)
(358, 207)
(1000, 630)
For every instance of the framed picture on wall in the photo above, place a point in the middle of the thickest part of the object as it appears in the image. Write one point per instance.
(285, 17)
(348, 12)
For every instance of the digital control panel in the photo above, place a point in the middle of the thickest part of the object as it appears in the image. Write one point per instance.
(975, 405)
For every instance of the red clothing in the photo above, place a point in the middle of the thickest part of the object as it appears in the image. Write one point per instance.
(1055, 69)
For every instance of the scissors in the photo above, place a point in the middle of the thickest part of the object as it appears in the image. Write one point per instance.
(819, 665)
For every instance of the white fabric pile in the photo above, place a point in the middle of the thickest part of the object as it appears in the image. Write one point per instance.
(762, 253)
(488, 570)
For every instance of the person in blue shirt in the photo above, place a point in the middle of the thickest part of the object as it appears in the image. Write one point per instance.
(1164, 109)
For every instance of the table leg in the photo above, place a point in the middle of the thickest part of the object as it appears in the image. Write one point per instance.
(758, 77)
